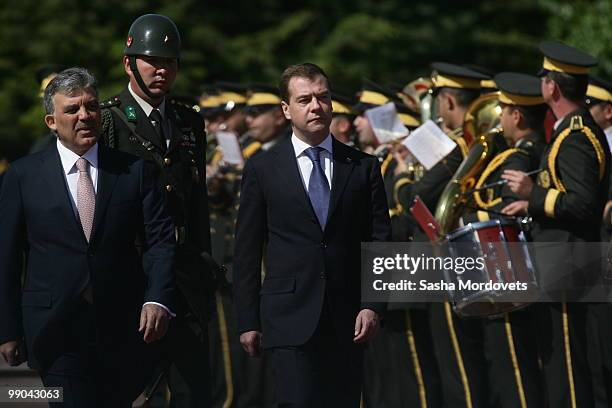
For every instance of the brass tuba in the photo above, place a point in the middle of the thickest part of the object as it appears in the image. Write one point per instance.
(482, 125)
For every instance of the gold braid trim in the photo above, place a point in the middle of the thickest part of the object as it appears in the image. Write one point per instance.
(462, 145)
(418, 373)
(482, 216)
(225, 350)
(4, 165)
(515, 364)
(576, 124)
(493, 165)
(459, 358)
(385, 164)
(599, 151)
(251, 149)
(399, 184)
(549, 202)
(568, 354)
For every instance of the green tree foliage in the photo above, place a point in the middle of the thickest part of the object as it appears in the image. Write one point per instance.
(242, 41)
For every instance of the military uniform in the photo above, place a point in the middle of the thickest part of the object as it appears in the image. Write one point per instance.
(566, 205)
(239, 380)
(175, 141)
(402, 349)
(458, 343)
(509, 345)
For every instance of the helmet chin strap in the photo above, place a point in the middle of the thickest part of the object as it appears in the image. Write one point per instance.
(141, 84)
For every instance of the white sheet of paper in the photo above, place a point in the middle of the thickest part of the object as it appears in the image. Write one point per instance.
(429, 144)
(386, 124)
(228, 141)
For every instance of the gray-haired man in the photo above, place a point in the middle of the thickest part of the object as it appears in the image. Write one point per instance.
(73, 212)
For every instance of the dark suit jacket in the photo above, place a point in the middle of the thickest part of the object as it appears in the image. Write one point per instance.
(38, 226)
(183, 179)
(303, 262)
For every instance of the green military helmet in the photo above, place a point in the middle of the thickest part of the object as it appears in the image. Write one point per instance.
(153, 35)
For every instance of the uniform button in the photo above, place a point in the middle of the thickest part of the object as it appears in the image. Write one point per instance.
(167, 161)
(193, 161)
(323, 244)
(323, 275)
(169, 188)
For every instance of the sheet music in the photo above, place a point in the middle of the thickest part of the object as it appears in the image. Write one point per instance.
(429, 144)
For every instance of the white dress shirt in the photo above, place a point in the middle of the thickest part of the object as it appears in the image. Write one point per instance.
(71, 174)
(147, 108)
(305, 164)
(68, 159)
(608, 133)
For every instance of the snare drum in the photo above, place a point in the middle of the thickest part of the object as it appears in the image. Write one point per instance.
(503, 247)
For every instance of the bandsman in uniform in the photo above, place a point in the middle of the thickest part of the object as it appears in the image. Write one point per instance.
(514, 375)
(402, 349)
(343, 116)
(599, 101)
(239, 381)
(566, 204)
(458, 343)
(44, 75)
(144, 121)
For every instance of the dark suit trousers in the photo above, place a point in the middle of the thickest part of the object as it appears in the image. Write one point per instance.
(321, 373)
(185, 348)
(87, 378)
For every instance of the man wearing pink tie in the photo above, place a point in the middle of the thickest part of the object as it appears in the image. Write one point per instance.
(72, 214)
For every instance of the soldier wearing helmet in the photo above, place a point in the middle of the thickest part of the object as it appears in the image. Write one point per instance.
(144, 121)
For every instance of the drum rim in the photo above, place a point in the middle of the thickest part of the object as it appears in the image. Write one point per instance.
(472, 226)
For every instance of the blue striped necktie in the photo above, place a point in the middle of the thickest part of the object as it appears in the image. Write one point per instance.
(318, 186)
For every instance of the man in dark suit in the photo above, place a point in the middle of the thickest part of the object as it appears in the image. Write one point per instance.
(144, 121)
(76, 210)
(308, 313)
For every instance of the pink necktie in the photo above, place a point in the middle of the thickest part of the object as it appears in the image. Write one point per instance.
(86, 197)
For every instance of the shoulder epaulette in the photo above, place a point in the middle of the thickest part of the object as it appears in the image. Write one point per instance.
(576, 123)
(4, 165)
(251, 149)
(114, 101)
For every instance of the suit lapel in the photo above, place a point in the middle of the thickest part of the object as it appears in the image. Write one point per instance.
(52, 171)
(144, 127)
(106, 183)
(343, 165)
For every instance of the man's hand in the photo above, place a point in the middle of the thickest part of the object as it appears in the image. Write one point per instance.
(400, 153)
(606, 213)
(366, 326)
(251, 343)
(516, 208)
(154, 321)
(519, 182)
(13, 352)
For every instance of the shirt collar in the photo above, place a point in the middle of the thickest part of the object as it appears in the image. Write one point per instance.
(69, 158)
(146, 106)
(299, 145)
